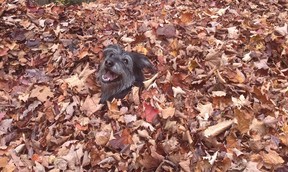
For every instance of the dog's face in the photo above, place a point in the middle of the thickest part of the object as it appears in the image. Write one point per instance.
(119, 71)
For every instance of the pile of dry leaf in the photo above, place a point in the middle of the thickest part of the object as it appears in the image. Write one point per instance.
(218, 103)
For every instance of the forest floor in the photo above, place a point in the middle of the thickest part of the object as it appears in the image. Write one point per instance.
(219, 101)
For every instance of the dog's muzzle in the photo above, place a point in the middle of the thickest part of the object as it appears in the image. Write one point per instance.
(109, 75)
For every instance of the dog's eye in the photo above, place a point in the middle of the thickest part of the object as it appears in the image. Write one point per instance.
(111, 55)
(125, 60)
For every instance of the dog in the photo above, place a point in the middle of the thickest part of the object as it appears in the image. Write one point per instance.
(119, 71)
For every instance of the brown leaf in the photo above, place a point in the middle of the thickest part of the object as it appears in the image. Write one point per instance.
(42, 93)
(79, 80)
(167, 30)
(102, 137)
(185, 165)
(3, 161)
(186, 17)
(149, 162)
(83, 53)
(167, 112)
(235, 76)
(214, 130)
(2, 115)
(251, 167)
(5, 126)
(262, 64)
(272, 158)
(3, 51)
(91, 104)
(258, 126)
(244, 119)
(284, 139)
(135, 95)
(124, 140)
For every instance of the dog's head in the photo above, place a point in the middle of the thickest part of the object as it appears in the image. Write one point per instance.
(120, 70)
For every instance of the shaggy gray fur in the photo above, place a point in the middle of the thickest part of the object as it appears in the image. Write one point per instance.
(126, 67)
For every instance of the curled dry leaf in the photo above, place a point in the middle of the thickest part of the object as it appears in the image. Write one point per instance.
(247, 57)
(147, 83)
(135, 95)
(214, 130)
(177, 90)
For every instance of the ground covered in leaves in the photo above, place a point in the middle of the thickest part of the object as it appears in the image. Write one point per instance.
(218, 103)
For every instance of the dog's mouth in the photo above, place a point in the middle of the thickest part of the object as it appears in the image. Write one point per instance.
(109, 76)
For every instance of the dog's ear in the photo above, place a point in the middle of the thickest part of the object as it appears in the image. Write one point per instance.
(141, 61)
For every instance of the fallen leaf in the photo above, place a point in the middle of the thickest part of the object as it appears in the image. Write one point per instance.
(205, 110)
(282, 30)
(262, 64)
(177, 90)
(149, 113)
(214, 130)
(167, 112)
(251, 167)
(3, 51)
(2, 115)
(135, 95)
(147, 83)
(42, 93)
(78, 80)
(210, 158)
(244, 119)
(127, 39)
(247, 57)
(102, 137)
(233, 32)
(130, 118)
(258, 126)
(222, 11)
(186, 18)
(122, 141)
(272, 158)
(167, 30)
(218, 93)
(3, 162)
(185, 165)
(241, 101)
(91, 104)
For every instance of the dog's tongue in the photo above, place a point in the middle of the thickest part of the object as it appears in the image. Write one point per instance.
(109, 76)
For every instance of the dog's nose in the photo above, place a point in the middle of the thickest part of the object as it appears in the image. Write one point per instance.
(109, 63)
